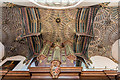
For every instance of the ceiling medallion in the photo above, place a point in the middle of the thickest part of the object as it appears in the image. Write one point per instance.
(58, 20)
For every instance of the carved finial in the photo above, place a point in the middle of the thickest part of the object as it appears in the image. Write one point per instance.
(8, 4)
(104, 4)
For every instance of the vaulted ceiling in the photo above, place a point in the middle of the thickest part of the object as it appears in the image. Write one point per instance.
(105, 29)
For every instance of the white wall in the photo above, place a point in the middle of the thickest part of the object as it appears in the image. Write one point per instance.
(116, 51)
(119, 55)
(102, 62)
(84, 3)
(1, 51)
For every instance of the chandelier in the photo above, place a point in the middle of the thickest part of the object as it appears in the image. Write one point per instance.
(57, 4)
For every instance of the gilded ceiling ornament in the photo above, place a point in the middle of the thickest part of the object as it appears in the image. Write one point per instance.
(104, 4)
(58, 20)
(8, 4)
(58, 24)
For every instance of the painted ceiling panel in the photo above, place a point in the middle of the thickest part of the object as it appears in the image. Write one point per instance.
(105, 29)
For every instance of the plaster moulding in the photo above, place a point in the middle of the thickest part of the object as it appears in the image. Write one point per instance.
(56, 7)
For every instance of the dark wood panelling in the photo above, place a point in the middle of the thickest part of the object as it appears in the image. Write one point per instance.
(67, 73)
(118, 76)
(93, 75)
(17, 75)
(3, 73)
